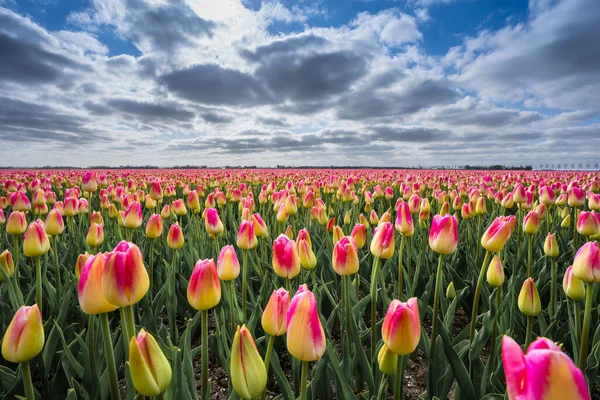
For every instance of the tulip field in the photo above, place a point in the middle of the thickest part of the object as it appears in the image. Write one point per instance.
(299, 283)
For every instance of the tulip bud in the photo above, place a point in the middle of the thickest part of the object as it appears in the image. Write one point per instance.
(566, 222)
(6, 263)
(450, 291)
(80, 263)
(89, 290)
(588, 223)
(529, 299)
(338, 233)
(125, 280)
(480, 208)
(175, 238)
(573, 286)
(544, 372)
(388, 360)
(165, 213)
(305, 335)
(154, 226)
(382, 244)
(401, 329)
(359, 234)
(286, 261)
(260, 227)
(16, 223)
(586, 265)
(95, 235)
(495, 272)
(35, 241)
(133, 217)
(204, 288)
(150, 369)
(404, 223)
(89, 182)
(248, 371)
(24, 337)
(443, 236)
(228, 266)
(54, 224)
(212, 222)
(345, 256)
(551, 246)
(275, 314)
(307, 256)
(330, 224)
(246, 239)
(495, 237)
(576, 197)
(531, 223)
(20, 202)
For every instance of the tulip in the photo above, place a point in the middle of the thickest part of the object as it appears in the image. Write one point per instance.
(401, 329)
(551, 246)
(35, 241)
(204, 288)
(20, 202)
(95, 235)
(212, 222)
(125, 280)
(7, 265)
(530, 305)
(544, 372)
(80, 263)
(495, 237)
(576, 197)
(16, 223)
(150, 369)
(71, 206)
(588, 223)
(228, 266)
(388, 360)
(165, 213)
(89, 290)
(193, 202)
(260, 227)
(286, 261)
(89, 181)
(175, 237)
(359, 234)
(443, 236)
(404, 223)
(382, 244)
(133, 217)
(248, 372)
(178, 207)
(246, 239)
(566, 222)
(495, 272)
(308, 259)
(338, 233)
(586, 265)
(154, 227)
(345, 256)
(305, 335)
(156, 191)
(573, 287)
(450, 291)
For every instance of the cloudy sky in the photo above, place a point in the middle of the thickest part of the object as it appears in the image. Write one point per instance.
(305, 82)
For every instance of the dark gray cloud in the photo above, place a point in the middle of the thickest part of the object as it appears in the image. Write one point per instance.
(397, 103)
(476, 115)
(281, 122)
(285, 46)
(213, 84)
(216, 118)
(145, 111)
(402, 134)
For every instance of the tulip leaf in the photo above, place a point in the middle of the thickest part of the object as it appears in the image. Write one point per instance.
(343, 389)
(458, 368)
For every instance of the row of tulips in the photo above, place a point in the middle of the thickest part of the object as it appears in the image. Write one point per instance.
(303, 278)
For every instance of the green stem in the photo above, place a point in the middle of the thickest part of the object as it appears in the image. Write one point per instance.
(553, 290)
(16, 250)
(303, 380)
(268, 361)
(577, 313)
(529, 255)
(399, 379)
(400, 269)
(434, 327)
(204, 353)
(92, 348)
(124, 331)
(232, 308)
(27, 383)
(347, 305)
(38, 284)
(583, 348)
(244, 274)
(476, 297)
(528, 332)
(492, 359)
(57, 269)
(172, 298)
(110, 358)
(130, 322)
(374, 274)
(151, 271)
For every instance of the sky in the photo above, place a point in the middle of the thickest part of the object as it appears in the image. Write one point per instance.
(307, 82)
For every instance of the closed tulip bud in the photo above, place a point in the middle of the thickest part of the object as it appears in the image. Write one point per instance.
(204, 288)
(16, 223)
(260, 227)
(228, 266)
(178, 207)
(404, 222)
(39, 197)
(71, 206)
(125, 280)
(212, 222)
(80, 263)
(519, 194)
(338, 233)
(529, 299)
(457, 203)
(544, 372)
(531, 223)
(542, 211)
(35, 241)
(588, 223)
(551, 246)
(82, 207)
(282, 214)
(193, 202)
(95, 235)
(149, 203)
(480, 208)
(156, 191)
(373, 218)
(89, 182)
(345, 256)
(89, 290)
(576, 197)
(450, 291)
(24, 337)
(2, 217)
(465, 212)
(96, 217)
(443, 236)
(305, 335)
(546, 195)
(20, 202)
(359, 234)
(133, 217)
(54, 224)
(154, 226)
(286, 260)
(150, 370)
(303, 234)
(495, 272)
(495, 237)
(165, 213)
(387, 360)
(363, 220)
(347, 218)
(445, 209)
(573, 286)
(6, 263)
(401, 329)
(307, 256)
(175, 238)
(330, 225)
(561, 200)
(508, 201)
(382, 244)
(586, 265)
(274, 316)
(385, 217)
(113, 213)
(566, 222)
(246, 239)
(248, 371)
